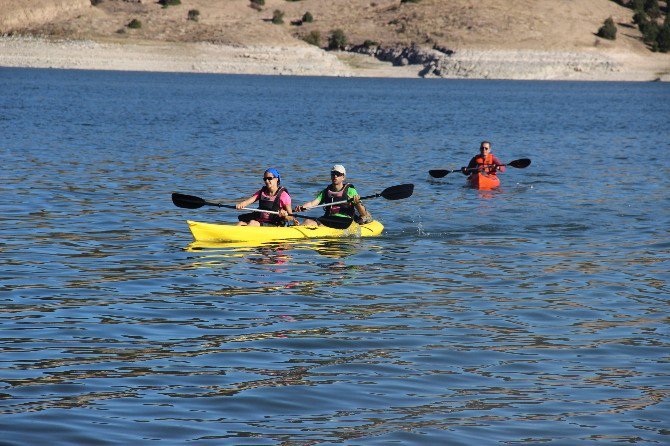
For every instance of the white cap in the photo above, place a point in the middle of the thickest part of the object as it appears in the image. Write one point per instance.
(339, 168)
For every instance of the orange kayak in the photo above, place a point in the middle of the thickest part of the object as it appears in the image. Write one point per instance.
(483, 181)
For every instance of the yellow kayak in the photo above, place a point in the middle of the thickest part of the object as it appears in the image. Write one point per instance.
(210, 232)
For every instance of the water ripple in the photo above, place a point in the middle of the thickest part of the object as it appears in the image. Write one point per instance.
(533, 314)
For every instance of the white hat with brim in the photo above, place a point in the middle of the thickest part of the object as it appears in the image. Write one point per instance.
(339, 168)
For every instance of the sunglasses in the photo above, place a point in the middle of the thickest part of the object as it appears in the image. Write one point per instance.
(336, 174)
(484, 148)
(268, 178)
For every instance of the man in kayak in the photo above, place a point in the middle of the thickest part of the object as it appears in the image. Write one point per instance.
(271, 197)
(338, 190)
(485, 161)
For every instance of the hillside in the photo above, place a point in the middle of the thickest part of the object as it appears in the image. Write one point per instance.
(480, 32)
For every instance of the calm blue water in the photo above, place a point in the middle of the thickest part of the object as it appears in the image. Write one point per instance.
(537, 314)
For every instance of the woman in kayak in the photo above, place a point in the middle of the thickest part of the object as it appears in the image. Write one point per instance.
(338, 190)
(485, 161)
(271, 197)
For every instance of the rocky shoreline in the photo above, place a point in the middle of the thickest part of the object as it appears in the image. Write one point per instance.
(306, 60)
(442, 62)
(168, 57)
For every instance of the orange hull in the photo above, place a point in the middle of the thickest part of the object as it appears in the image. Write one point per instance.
(483, 181)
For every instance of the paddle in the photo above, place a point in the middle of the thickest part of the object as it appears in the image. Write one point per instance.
(193, 202)
(519, 164)
(390, 193)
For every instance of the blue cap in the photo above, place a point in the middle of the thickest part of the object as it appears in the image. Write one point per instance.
(274, 172)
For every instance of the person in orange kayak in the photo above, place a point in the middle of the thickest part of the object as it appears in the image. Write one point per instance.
(338, 190)
(485, 161)
(271, 197)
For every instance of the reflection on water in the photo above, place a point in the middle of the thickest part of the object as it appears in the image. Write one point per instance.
(338, 248)
(536, 313)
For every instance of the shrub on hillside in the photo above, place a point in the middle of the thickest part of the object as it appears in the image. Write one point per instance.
(649, 31)
(337, 40)
(277, 17)
(167, 3)
(637, 5)
(135, 24)
(663, 38)
(96, 2)
(307, 17)
(313, 38)
(257, 4)
(608, 30)
(640, 17)
(410, 1)
(193, 14)
(647, 13)
(652, 9)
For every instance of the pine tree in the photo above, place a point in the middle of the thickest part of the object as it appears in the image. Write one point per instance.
(608, 30)
(652, 9)
(663, 38)
(637, 5)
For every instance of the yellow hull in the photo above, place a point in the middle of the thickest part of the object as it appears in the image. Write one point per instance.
(209, 232)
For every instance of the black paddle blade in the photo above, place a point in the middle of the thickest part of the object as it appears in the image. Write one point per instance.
(398, 192)
(520, 164)
(335, 222)
(187, 201)
(437, 173)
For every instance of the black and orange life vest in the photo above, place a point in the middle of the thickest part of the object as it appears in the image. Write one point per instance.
(329, 196)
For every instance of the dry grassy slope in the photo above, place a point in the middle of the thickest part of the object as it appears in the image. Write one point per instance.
(479, 24)
(20, 14)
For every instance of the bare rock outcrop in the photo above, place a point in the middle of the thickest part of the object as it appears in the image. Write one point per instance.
(440, 61)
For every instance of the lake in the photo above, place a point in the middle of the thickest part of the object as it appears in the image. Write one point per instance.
(533, 314)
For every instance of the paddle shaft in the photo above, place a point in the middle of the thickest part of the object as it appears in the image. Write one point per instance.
(230, 206)
(390, 193)
(482, 167)
(519, 164)
(342, 202)
(443, 173)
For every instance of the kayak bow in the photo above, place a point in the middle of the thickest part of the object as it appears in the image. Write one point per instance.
(210, 232)
(483, 181)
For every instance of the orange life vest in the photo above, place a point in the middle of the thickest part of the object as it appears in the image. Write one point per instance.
(486, 163)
